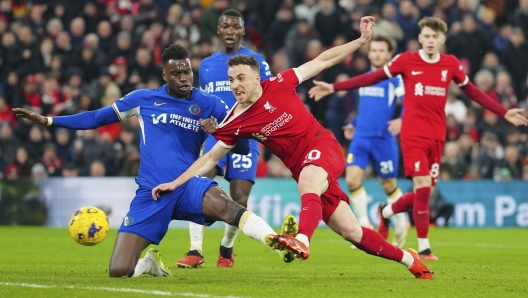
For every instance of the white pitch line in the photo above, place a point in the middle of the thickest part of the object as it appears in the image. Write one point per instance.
(122, 290)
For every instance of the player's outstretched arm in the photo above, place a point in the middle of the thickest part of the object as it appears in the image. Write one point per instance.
(202, 165)
(334, 55)
(513, 115)
(85, 120)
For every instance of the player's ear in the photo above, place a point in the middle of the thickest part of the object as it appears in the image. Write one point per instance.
(164, 75)
(258, 79)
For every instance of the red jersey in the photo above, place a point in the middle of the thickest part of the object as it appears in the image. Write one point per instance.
(278, 119)
(426, 84)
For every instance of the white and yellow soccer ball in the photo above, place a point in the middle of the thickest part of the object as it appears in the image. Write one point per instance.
(89, 226)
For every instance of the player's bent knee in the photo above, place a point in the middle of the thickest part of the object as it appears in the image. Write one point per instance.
(352, 234)
(120, 270)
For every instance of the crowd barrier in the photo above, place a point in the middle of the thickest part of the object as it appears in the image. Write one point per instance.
(477, 203)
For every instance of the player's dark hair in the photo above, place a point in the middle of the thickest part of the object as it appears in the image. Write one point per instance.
(242, 59)
(434, 23)
(174, 52)
(231, 13)
(387, 40)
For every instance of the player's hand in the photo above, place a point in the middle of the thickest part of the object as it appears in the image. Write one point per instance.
(320, 90)
(514, 117)
(209, 125)
(365, 28)
(32, 116)
(161, 189)
(394, 126)
(348, 131)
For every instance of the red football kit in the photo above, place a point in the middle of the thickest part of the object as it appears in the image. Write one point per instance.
(423, 121)
(280, 121)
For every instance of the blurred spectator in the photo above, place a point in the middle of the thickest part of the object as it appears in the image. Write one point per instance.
(279, 27)
(470, 43)
(210, 18)
(502, 40)
(453, 129)
(336, 113)
(6, 114)
(297, 41)
(505, 91)
(188, 30)
(515, 58)
(22, 163)
(8, 142)
(97, 169)
(88, 149)
(407, 19)
(485, 81)
(63, 143)
(329, 21)
(387, 25)
(24, 56)
(467, 148)
(35, 143)
(491, 63)
(520, 16)
(77, 31)
(70, 170)
(469, 125)
(38, 171)
(51, 161)
(513, 163)
(307, 11)
(453, 161)
(491, 155)
(455, 107)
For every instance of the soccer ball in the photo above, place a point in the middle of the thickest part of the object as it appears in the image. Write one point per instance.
(88, 226)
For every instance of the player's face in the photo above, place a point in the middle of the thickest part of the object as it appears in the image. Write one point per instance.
(179, 77)
(244, 83)
(230, 29)
(378, 54)
(431, 40)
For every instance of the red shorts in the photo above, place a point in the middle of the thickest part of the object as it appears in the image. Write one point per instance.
(422, 156)
(326, 153)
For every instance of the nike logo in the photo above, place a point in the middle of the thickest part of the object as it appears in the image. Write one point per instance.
(236, 133)
(422, 212)
(159, 104)
(416, 72)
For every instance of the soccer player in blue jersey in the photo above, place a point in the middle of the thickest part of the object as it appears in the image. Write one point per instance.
(241, 170)
(373, 132)
(170, 142)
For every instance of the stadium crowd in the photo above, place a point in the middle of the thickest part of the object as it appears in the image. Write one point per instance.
(62, 57)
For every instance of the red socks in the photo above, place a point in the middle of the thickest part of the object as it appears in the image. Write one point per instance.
(421, 211)
(310, 215)
(404, 203)
(373, 243)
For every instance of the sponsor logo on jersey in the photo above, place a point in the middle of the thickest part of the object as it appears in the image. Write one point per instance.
(178, 120)
(372, 91)
(421, 90)
(276, 124)
(269, 107)
(217, 86)
(195, 109)
(279, 76)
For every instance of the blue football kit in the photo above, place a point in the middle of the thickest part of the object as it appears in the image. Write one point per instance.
(372, 141)
(170, 141)
(214, 80)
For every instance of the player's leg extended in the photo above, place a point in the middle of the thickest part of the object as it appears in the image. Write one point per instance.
(344, 223)
(422, 190)
(358, 195)
(217, 205)
(393, 192)
(313, 181)
(194, 257)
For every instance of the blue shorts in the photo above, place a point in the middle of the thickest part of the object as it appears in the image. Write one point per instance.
(150, 219)
(242, 167)
(383, 151)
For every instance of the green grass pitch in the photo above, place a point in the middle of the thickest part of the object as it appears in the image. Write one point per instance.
(43, 262)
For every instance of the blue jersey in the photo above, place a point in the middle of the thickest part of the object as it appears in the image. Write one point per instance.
(171, 135)
(213, 74)
(376, 107)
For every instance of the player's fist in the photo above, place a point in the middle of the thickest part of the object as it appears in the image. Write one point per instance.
(394, 126)
(32, 116)
(320, 90)
(365, 27)
(159, 190)
(209, 125)
(348, 131)
(514, 117)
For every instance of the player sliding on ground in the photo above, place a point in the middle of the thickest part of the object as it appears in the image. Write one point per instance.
(374, 139)
(426, 76)
(170, 141)
(272, 113)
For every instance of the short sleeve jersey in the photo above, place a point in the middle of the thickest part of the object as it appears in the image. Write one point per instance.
(171, 135)
(426, 84)
(213, 74)
(278, 119)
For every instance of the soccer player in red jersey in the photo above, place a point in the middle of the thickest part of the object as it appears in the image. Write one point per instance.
(426, 77)
(272, 113)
